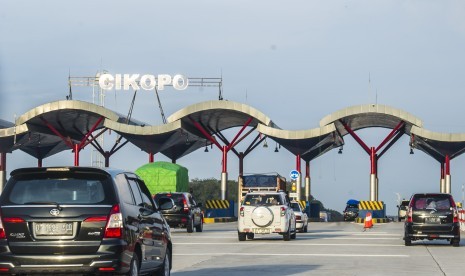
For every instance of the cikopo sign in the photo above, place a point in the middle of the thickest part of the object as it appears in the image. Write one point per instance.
(145, 82)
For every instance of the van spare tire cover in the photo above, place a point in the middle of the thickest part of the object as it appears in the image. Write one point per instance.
(262, 216)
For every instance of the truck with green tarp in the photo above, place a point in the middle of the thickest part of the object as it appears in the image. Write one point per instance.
(163, 176)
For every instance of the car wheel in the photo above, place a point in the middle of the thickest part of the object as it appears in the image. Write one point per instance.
(199, 228)
(455, 242)
(190, 225)
(287, 235)
(399, 219)
(408, 241)
(250, 236)
(294, 235)
(241, 236)
(306, 228)
(165, 268)
(134, 266)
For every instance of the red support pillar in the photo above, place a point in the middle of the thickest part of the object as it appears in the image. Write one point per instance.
(39, 162)
(2, 170)
(442, 182)
(151, 157)
(225, 159)
(299, 179)
(307, 181)
(76, 155)
(447, 185)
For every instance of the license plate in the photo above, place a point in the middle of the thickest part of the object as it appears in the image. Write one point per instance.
(53, 229)
(432, 220)
(262, 231)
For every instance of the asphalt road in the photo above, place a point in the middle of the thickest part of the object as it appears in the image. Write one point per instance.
(341, 248)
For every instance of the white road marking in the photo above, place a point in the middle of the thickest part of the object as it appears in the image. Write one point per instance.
(293, 244)
(294, 254)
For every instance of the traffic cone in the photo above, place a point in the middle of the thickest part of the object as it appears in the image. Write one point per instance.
(368, 221)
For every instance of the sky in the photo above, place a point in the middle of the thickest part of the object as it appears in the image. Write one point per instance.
(295, 61)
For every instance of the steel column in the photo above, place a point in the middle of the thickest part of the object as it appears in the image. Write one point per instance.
(299, 179)
(307, 181)
(39, 162)
(442, 182)
(151, 157)
(447, 185)
(224, 174)
(107, 159)
(373, 175)
(2, 170)
(76, 155)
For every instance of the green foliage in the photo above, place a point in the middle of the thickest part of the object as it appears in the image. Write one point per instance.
(207, 189)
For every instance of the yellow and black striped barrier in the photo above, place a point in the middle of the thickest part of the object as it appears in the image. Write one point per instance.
(217, 204)
(371, 205)
(302, 204)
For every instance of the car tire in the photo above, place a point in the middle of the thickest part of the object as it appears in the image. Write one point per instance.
(455, 242)
(287, 235)
(250, 236)
(294, 235)
(241, 236)
(134, 265)
(306, 228)
(408, 241)
(165, 269)
(199, 228)
(190, 225)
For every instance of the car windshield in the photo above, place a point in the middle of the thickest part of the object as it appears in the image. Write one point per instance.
(432, 202)
(177, 198)
(262, 199)
(351, 209)
(295, 206)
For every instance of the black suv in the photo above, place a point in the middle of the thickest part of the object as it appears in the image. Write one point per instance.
(432, 216)
(185, 213)
(81, 220)
(350, 212)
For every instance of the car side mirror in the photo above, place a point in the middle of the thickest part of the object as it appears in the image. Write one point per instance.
(397, 206)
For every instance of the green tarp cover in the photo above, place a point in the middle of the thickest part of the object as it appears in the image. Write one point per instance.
(164, 177)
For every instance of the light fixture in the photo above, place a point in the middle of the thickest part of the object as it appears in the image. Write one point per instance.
(265, 144)
(276, 148)
(411, 151)
(206, 146)
(340, 150)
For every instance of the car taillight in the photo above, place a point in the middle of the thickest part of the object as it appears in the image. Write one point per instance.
(186, 208)
(409, 215)
(241, 211)
(283, 211)
(114, 228)
(456, 216)
(298, 218)
(2, 230)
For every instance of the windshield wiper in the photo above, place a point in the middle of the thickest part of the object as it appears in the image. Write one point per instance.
(45, 203)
